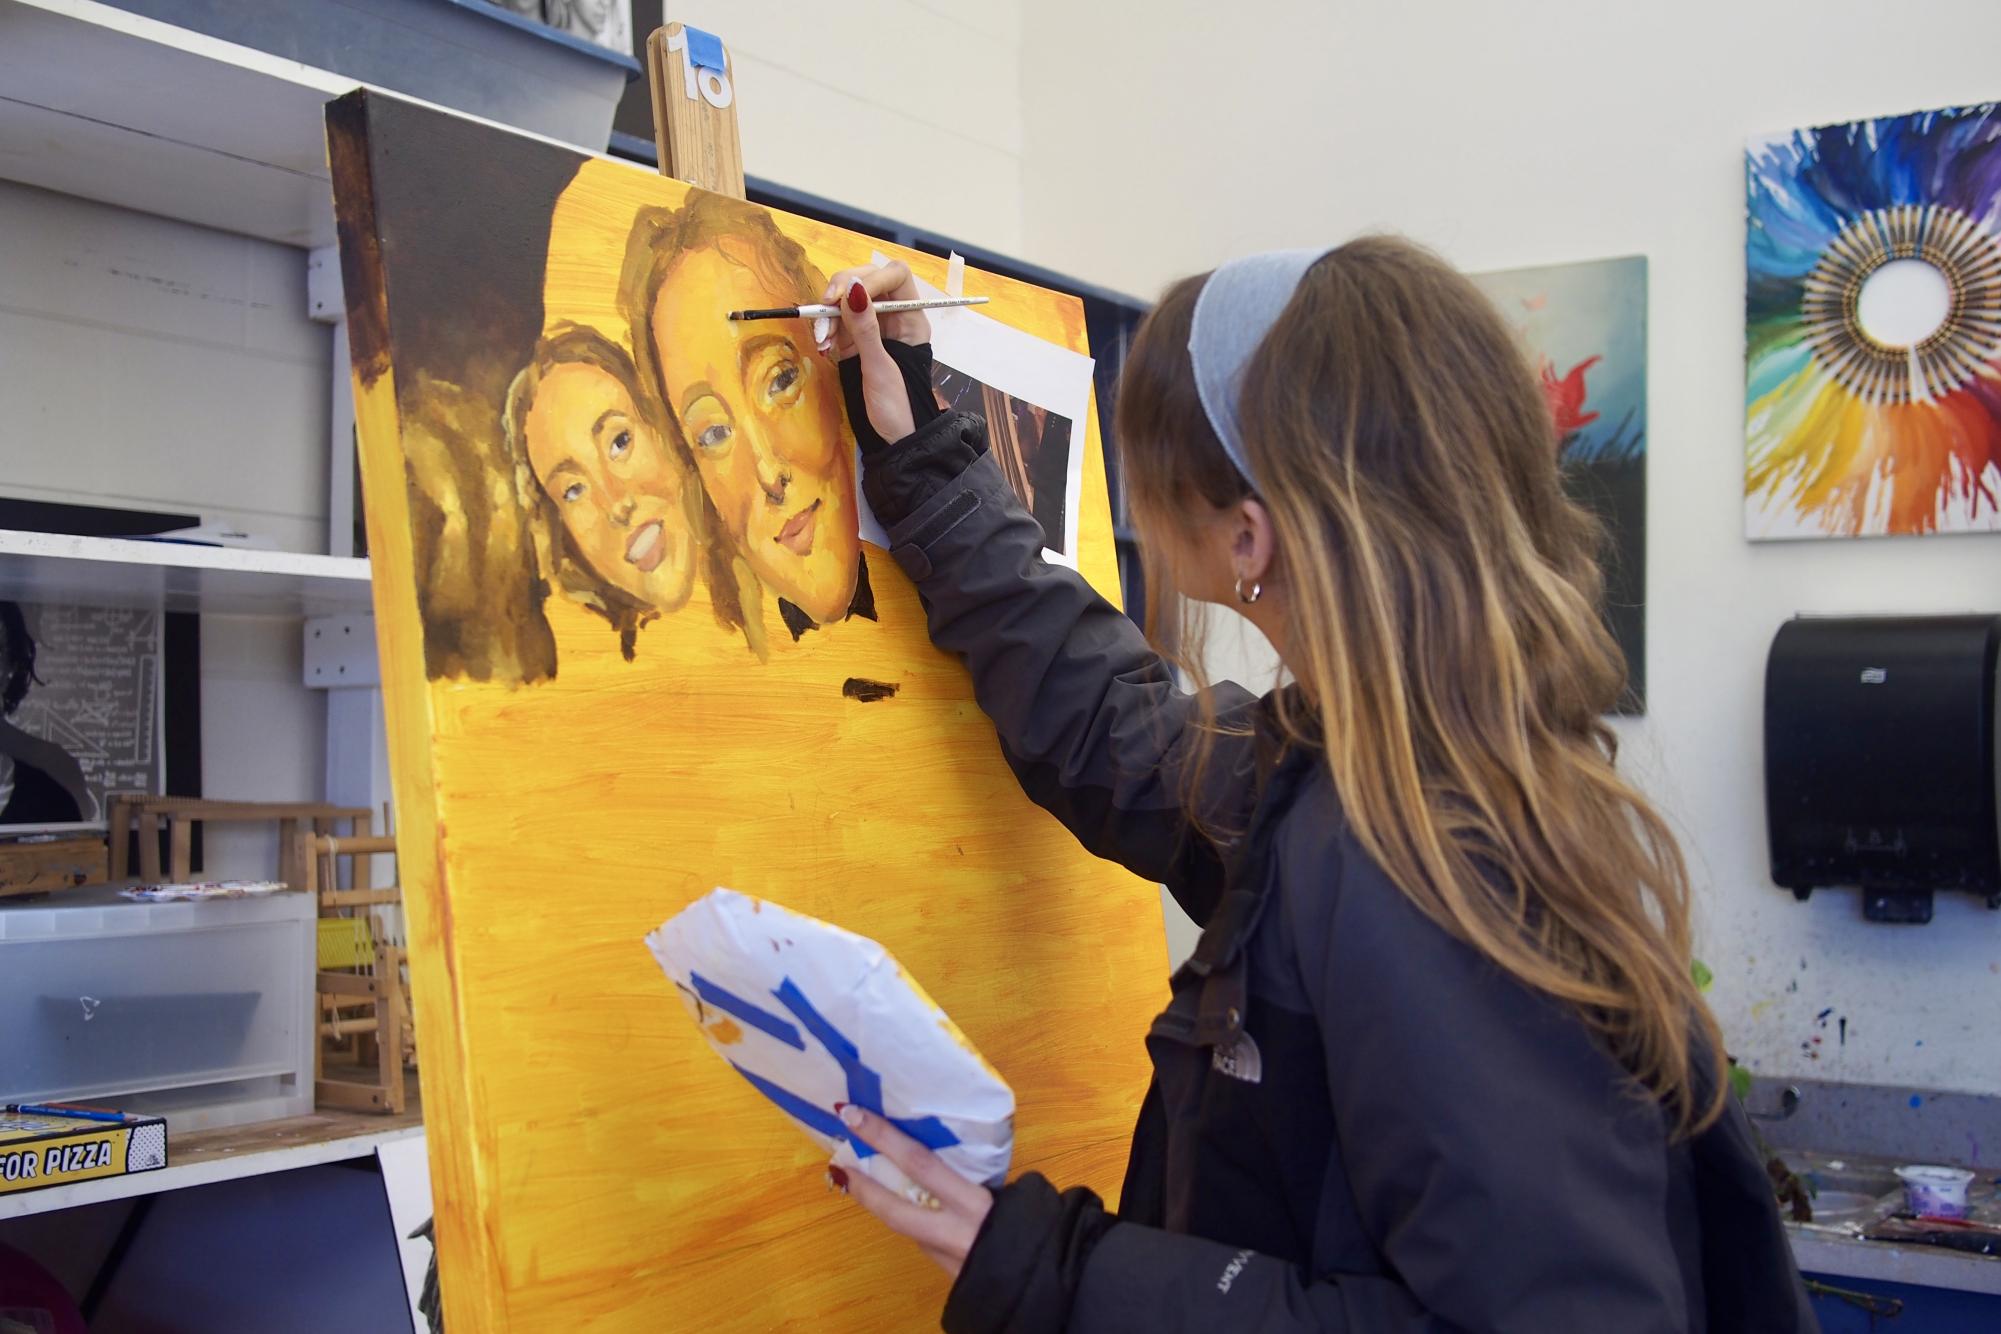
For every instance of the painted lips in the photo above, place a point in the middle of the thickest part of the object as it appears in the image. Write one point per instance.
(797, 534)
(647, 549)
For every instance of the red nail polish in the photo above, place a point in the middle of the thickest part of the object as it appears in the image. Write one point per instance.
(839, 1177)
(858, 298)
(837, 1108)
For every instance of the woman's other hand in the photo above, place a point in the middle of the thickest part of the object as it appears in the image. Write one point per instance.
(859, 333)
(944, 1231)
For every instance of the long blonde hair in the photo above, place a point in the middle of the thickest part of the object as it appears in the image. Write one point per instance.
(1443, 627)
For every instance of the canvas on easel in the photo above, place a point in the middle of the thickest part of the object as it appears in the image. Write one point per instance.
(635, 644)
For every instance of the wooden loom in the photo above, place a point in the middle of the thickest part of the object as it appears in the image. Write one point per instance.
(360, 993)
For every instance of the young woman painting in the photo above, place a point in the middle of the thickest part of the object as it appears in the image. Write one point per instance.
(1437, 1063)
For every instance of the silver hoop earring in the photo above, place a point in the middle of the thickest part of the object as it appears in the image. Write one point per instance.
(1257, 591)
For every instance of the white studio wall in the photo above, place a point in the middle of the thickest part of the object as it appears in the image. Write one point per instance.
(1162, 139)
(907, 108)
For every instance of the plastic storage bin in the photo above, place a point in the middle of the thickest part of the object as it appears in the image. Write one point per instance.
(198, 1012)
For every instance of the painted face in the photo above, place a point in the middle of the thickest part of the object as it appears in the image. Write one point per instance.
(761, 410)
(619, 487)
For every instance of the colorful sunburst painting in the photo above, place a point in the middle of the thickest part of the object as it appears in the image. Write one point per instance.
(1850, 433)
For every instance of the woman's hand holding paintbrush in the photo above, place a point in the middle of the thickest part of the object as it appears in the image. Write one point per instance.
(861, 331)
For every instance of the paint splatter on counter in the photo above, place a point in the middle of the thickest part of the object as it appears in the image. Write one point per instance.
(866, 691)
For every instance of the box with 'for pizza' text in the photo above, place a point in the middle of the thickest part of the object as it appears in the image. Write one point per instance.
(40, 1149)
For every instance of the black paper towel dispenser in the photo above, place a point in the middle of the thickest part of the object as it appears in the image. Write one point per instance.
(1880, 759)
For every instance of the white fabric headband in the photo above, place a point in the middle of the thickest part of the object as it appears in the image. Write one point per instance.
(1237, 308)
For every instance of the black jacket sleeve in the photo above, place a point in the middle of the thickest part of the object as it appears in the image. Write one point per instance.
(1045, 1263)
(1089, 716)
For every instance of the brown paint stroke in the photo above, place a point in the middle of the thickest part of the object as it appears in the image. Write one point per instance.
(868, 692)
(360, 245)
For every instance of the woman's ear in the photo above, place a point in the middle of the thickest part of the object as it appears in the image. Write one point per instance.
(1253, 542)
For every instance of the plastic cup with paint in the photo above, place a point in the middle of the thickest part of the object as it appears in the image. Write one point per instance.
(1935, 1192)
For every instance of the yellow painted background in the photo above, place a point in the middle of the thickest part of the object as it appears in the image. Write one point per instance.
(595, 1166)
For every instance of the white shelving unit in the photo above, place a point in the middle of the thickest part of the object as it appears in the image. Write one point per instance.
(225, 1155)
(103, 105)
(126, 110)
(119, 572)
(110, 106)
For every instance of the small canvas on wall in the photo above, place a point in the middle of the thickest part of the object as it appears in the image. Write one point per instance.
(1872, 322)
(1585, 328)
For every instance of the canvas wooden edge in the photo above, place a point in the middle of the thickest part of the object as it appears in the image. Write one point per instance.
(468, 1258)
(1094, 499)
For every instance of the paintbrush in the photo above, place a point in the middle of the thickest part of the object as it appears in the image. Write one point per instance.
(820, 312)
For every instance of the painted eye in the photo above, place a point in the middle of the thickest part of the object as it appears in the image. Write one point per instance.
(715, 437)
(783, 379)
(573, 493)
(621, 444)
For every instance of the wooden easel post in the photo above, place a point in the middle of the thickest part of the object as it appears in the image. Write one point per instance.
(694, 110)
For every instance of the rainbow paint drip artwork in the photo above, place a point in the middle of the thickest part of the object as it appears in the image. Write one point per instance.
(1862, 423)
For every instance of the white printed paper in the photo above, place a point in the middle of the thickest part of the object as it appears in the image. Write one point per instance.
(1026, 368)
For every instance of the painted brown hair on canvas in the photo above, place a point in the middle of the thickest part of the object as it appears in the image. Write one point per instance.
(470, 318)
(480, 581)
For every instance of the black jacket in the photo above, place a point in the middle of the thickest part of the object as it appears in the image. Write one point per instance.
(1357, 1124)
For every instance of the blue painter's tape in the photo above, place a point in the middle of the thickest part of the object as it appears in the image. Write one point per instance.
(793, 999)
(705, 49)
(732, 1004)
(796, 1107)
(926, 1130)
(864, 1084)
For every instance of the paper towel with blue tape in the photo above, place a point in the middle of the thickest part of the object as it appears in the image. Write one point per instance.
(811, 1015)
